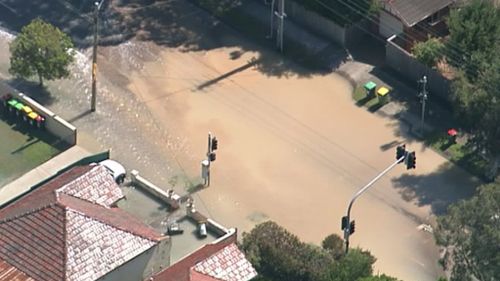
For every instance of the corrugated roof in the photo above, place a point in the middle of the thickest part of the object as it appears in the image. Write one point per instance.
(228, 264)
(63, 237)
(412, 12)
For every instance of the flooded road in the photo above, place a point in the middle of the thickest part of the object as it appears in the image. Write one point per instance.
(291, 149)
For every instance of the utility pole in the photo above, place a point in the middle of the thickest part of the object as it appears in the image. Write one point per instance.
(346, 224)
(94, 55)
(271, 31)
(281, 25)
(423, 98)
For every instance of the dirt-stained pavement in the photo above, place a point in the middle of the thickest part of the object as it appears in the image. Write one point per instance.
(293, 145)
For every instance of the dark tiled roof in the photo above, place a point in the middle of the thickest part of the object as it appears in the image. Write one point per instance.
(413, 11)
(51, 236)
(11, 273)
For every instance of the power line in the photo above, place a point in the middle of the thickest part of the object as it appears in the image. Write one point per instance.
(403, 37)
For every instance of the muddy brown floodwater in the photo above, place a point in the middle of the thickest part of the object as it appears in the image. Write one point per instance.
(291, 149)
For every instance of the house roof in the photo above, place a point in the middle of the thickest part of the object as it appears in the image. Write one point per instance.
(181, 270)
(412, 12)
(10, 272)
(228, 264)
(218, 261)
(66, 230)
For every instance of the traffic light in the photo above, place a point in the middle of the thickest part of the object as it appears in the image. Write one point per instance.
(352, 227)
(344, 223)
(211, 157)
(400, 151)
(411, 161)
(215, 143)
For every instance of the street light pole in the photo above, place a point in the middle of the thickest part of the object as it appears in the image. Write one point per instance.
(94, 55)
(361, 191)
(423, 98)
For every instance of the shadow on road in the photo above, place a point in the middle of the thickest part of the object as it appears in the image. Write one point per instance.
(210, 82)
(448, 184)
(172, 23)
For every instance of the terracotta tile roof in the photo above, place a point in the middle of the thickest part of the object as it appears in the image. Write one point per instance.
(62, 237)
(96, 186)
(196, 276)
(228, 264)
(180, 270)
(42, 196)
(94, 248)
(9, 272)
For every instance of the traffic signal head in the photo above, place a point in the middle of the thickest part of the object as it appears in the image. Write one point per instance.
(211, 157)
(352, 227)
(215, 143)
(411, 161)
(345, 222)
(400, 151)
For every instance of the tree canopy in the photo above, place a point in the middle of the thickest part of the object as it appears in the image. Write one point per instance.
(473, 48)
(279, 255)
(474, 32)
(41, 49)
(382, 277)
(471, 233)
(429, 52)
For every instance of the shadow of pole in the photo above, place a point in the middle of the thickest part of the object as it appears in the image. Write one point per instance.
(251, 63)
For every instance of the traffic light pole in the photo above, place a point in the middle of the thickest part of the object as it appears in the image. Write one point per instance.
(208, 156)
(361, 191)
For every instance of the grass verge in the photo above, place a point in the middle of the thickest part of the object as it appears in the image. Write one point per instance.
(372, 103)
(463, 155)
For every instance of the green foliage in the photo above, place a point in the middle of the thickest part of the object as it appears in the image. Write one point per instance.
(478, 106)
(473, 47)
(474, 32)
(429, 52)
(344, 13)
(41, 49)
(279, 255)
(355, 265)
(334, 245)
(471, 232)
(382, 277)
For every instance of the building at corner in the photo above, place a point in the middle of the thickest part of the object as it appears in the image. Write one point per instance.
(217, 261)
(69, 230)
